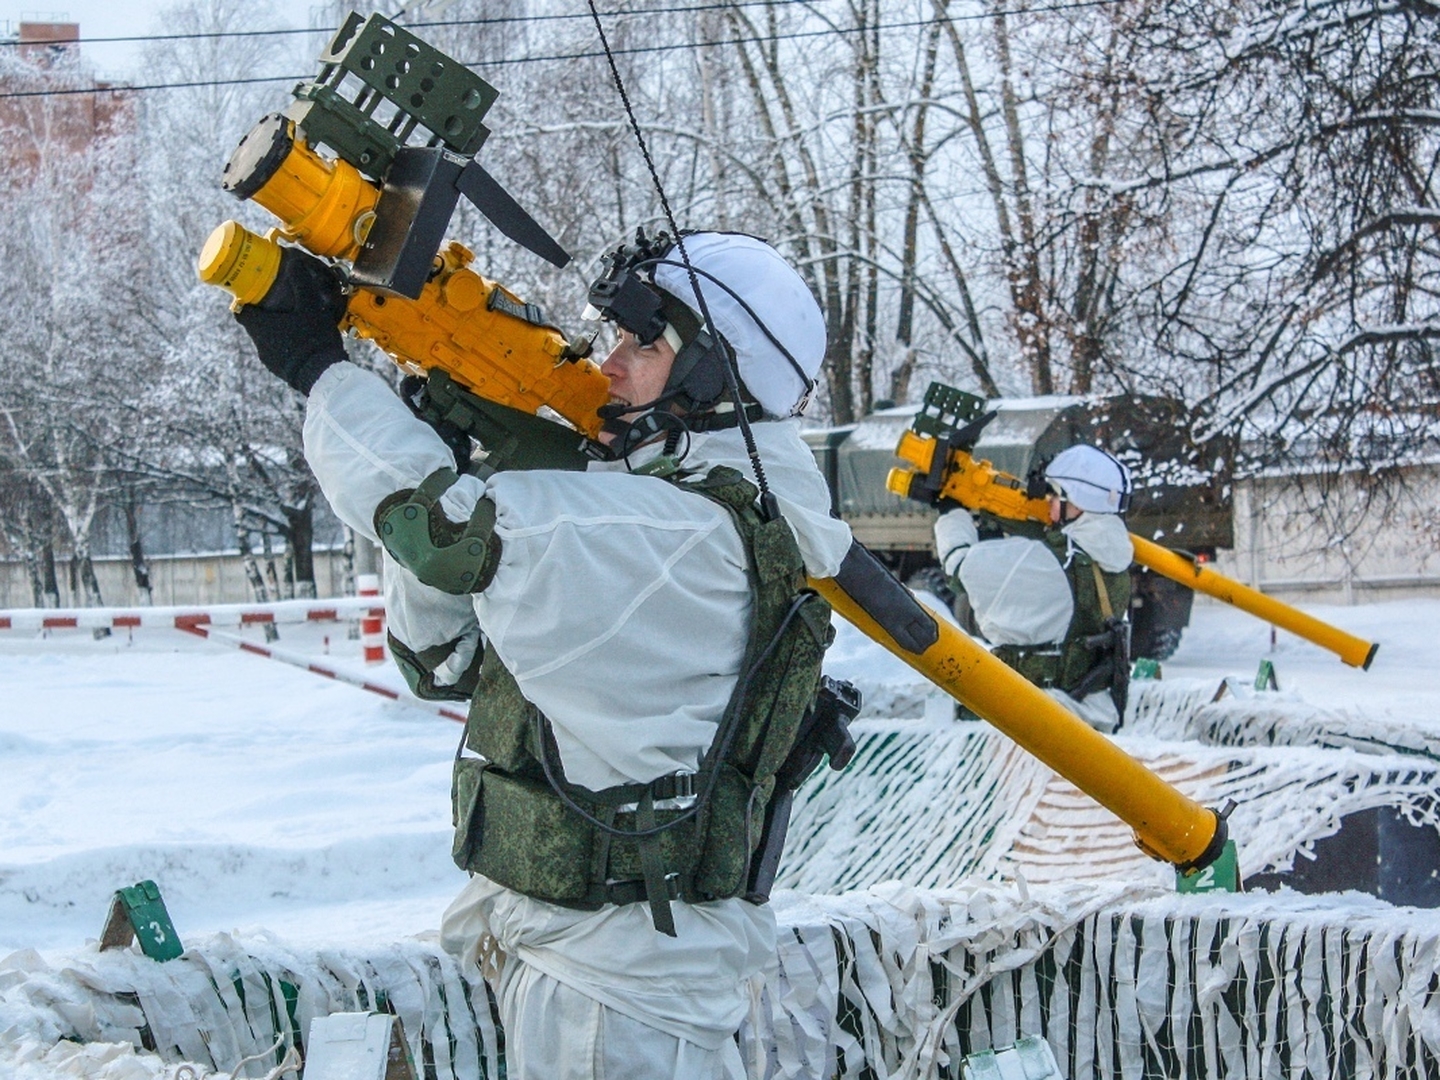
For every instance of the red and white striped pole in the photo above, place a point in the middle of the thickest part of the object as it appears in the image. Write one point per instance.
(200, 626)
(206, 623)
(348, 609)
(372, 623)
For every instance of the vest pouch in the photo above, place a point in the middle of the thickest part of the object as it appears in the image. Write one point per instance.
(677, 847)
(1040, 665)
(519, 834)
(1076, 663)
(737, 812)
(467, 809)
(784, 690)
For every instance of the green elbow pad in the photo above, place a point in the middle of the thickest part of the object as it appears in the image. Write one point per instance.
(454, 558)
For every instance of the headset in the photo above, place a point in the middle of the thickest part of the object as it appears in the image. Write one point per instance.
(626, 294)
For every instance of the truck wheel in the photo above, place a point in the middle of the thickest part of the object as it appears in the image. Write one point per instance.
(1163, 644)
(1159, 613)
(932, 579)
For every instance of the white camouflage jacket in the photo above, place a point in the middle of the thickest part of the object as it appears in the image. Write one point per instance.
(620, 604)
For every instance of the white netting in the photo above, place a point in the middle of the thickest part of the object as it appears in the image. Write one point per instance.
(1063, 929)
(1125, 982)
(224, 1001)
(1230, 713)
(1123, 987)
(935, 804)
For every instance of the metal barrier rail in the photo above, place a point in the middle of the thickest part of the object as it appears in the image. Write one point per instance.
(338, 609)
(205, 622)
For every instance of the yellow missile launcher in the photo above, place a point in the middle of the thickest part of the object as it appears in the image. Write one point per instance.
(939, 466)
(487, 339)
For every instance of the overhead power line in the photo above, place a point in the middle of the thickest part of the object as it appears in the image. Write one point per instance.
(639, 50)
(497, 20)
(683, 9)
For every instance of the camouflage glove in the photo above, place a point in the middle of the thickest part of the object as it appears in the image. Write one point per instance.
(295, 327)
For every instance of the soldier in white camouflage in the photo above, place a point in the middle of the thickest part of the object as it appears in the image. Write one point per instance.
(1054, 605)
(605, 625)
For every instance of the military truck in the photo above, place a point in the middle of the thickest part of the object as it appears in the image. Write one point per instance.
(1182, 493)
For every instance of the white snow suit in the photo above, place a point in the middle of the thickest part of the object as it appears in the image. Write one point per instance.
(620, 605)
(1020, 594)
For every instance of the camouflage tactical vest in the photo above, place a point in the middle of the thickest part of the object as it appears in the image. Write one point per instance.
(680, 837)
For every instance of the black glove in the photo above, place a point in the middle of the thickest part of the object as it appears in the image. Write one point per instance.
(413, 391)
(295, 328)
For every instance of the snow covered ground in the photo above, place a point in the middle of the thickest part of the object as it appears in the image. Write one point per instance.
(266, 800)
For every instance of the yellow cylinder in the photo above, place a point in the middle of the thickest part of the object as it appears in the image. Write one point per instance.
(1167, 823)
(239, 261)
(325, 205)
(1354, 651)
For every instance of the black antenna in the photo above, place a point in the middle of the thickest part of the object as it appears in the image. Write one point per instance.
(732, 375)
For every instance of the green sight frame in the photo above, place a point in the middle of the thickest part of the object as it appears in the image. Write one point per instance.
(946, 409)
(424, 87)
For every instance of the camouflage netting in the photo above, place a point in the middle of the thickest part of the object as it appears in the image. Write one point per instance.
(1063, 929)
(1232, 714)
(891, 982)
(933, 804)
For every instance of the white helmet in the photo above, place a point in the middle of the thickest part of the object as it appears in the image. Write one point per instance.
(1091, 479)
(761, 306)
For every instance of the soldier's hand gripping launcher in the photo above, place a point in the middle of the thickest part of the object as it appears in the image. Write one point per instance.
(381, 203)
(939, 465)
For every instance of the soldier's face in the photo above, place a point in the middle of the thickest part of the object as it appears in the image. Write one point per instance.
(637, 373)
(1059, 508)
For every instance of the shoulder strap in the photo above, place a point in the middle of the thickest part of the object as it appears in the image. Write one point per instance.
(1101, 591)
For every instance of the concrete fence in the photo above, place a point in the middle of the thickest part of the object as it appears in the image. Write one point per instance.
(175, 580)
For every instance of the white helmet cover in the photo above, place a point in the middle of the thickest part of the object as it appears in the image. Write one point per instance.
(1092, 480)
(778, 297)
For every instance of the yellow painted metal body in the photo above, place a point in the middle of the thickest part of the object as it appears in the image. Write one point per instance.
(455, 324)
(503, 359)
(451, 326)
(1167, 823)
(325, 205)
(978, 485)
(240, 262)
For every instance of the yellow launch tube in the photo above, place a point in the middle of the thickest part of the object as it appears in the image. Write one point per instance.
(1177, 567)
(1167, 824)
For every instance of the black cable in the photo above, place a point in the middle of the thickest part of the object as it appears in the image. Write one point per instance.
(729, 363)
(496, 21)
(639, 50)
